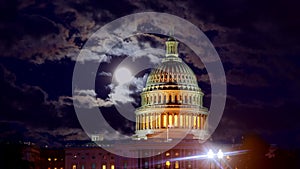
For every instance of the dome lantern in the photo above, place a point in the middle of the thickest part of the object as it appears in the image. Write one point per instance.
(171, 47)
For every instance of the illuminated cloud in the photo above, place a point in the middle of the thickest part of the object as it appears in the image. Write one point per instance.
(123, 94)
(108, 74)
(85, 99)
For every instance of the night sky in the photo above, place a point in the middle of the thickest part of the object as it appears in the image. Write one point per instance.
(257, 41)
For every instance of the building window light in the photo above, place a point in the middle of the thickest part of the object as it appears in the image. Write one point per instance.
(168, 163)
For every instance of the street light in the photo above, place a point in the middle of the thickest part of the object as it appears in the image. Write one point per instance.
(220, 154)
(210, 155)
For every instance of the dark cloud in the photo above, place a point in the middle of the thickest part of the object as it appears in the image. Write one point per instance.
(30, 105)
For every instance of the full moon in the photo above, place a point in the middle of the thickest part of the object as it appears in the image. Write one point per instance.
(123, 75)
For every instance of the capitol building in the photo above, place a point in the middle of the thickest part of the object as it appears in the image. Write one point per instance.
(170, 126)
(172, 102)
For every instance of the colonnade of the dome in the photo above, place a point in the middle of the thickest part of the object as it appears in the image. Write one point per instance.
(163, 120)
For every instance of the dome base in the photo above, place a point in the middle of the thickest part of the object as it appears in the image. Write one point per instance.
(171, 133)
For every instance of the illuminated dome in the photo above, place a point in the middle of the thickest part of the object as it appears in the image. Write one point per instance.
(171, 100)
(172, 73)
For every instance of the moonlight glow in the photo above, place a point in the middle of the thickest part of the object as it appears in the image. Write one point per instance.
(123, 75)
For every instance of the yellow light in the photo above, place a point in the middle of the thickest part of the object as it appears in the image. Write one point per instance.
(170, 120)
(176, 165)
(195, 122)
(186, 121)
(167, 154)
(175, 120)
(74, 166)
(164, 120)
(181, 120)
(49, 159)
(168, 163)
(112, 166)
(103, 166)
(55, 159)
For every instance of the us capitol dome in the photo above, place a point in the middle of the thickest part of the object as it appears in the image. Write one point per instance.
(171, 101)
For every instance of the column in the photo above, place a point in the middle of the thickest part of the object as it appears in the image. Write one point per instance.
(194, 121)
(181, 121)
(202, 125)
(198, 122)
(140, 122)
(176, 120)
(159, 120)
(137, 122)
(173, 97)
(190, 121)
(167, 98)
(151, 121)
(144, 122)
(186, 125)
(147, 121)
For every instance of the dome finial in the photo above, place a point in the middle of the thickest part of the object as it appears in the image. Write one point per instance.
(171, 45)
